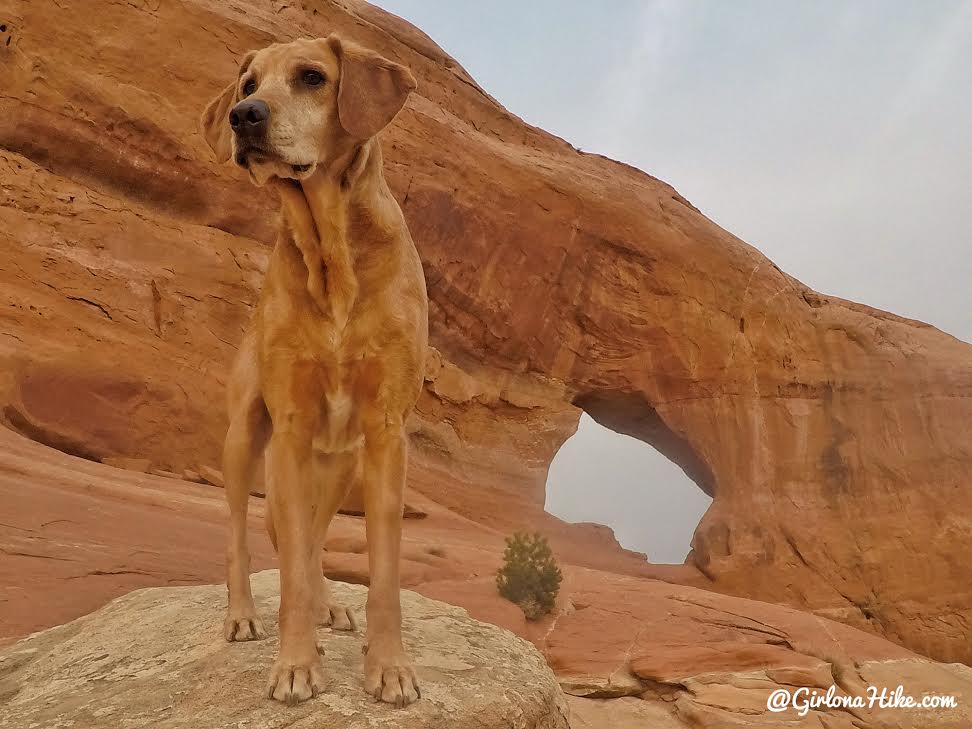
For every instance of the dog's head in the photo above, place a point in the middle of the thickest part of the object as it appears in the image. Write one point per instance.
(300, 105)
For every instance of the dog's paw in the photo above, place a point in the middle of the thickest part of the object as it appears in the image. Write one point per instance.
(336, 617)
(391, 680)
(292, 683)
(243, 627)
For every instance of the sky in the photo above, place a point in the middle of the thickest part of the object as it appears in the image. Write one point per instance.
(835, 136)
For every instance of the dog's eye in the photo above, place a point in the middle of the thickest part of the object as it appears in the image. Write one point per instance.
(312, 78)
(249, 87)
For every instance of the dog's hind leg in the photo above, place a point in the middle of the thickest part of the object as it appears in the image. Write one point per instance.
(245, 440)
(334, 476)
(268, 502)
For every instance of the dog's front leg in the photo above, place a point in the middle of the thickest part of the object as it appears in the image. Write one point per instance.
(297, 673)
(389, 674)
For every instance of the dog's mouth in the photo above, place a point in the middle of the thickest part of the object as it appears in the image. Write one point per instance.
(250, 156)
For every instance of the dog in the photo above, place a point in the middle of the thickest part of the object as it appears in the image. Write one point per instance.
(333, 361)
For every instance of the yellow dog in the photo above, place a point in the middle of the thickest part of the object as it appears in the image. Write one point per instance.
(333, 361)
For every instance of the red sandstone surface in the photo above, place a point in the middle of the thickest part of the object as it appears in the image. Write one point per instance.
(76, 534)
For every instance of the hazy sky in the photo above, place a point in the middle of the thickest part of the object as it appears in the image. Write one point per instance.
(835, 136)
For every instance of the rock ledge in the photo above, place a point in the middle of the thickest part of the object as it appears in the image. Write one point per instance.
(156, 658)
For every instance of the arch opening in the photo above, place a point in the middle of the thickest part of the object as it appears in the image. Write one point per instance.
(625, 469)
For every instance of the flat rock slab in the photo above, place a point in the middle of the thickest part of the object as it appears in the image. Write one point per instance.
(156, 658)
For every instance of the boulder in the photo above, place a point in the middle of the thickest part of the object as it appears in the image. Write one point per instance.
(193, 476)
(155, 657)
(212, 476)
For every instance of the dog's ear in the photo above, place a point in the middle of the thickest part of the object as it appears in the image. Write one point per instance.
(372, 89)
(214, 122)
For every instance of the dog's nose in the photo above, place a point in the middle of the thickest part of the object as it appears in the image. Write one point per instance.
(250, 117)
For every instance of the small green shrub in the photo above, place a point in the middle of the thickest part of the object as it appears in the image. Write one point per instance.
(529, 576)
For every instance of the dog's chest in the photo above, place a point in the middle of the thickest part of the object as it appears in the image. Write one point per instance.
(350, 389)
(338, 428)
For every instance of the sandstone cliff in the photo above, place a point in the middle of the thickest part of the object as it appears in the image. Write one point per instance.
(833, 437)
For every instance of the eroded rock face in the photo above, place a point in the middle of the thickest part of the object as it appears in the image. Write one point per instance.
(832, 436)
(155, 658)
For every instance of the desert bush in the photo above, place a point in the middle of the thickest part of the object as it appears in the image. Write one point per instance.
(529, 576)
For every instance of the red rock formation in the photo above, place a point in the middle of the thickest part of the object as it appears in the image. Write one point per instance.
(832, 436)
